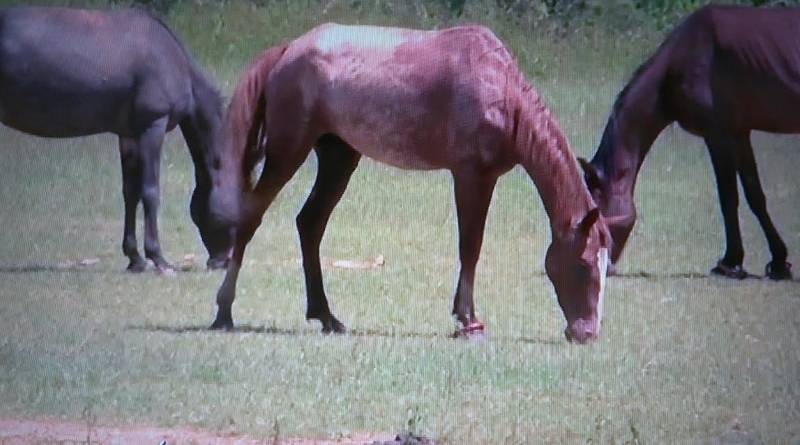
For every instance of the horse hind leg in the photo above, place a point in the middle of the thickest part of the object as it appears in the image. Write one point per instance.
(149, 144)
(778, 268)
(132, 194)
(279, 167)
(336, 163)
(721, 151)
(473, 194)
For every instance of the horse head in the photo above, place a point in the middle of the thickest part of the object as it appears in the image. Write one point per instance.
(576, 263)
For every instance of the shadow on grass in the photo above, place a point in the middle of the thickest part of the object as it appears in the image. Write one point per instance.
(699, 276)
(71, 268)
(366, 333)
(34, 268)
(197, 270)
(643, 274)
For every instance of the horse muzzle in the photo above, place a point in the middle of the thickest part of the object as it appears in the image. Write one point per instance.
(582, 331)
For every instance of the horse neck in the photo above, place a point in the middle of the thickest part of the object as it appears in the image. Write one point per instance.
(636, 120)
(627, 139)
(545, 154)
(202, 126)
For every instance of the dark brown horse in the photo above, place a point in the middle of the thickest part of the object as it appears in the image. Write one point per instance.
(451, 99)
(722, 73)
(71, 72)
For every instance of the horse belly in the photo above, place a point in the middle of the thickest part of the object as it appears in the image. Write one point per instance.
(773, 110)
(394, 154)
(394, 136)
(42, 100)
(48, 114)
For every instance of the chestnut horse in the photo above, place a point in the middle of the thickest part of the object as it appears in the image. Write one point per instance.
(723, 72)
(73, 72)
(451, 99)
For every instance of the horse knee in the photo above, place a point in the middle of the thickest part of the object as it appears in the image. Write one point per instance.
(306, 223)
(224, 208)
(150, 195)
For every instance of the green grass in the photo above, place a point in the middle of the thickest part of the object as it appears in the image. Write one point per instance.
(680, 359)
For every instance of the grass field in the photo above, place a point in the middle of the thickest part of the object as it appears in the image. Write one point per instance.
(682, 357)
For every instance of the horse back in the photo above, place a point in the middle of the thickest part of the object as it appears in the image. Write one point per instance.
(739, 65)
(390, 92)
(71, 72)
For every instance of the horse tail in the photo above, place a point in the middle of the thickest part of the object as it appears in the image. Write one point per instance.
(247, 111)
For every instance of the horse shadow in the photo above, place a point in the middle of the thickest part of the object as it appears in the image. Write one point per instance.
(71, 267)
(38, 268)
(272, 330)
(673, 275)
(692, 276)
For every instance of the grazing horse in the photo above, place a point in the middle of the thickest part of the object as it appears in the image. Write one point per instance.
(422, 100)
(723, 72)
(71, 72)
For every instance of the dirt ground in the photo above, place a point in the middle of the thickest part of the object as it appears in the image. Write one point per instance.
(53, 432)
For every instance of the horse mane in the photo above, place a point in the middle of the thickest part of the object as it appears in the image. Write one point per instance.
(545, 153)
(245, 119)
(637, 73)
(603, 157)
(604, 152)
(200, 82)
(657, 54)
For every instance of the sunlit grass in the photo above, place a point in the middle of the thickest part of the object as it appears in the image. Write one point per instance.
(680, 359)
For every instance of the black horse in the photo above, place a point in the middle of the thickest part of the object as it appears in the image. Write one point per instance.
(71, 72)
(722, 73)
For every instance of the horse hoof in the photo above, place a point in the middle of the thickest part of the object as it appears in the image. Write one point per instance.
(165, 271)
(779, 271)
(472, 331)
(222, 322)
(221, 325)
(137, 266)
(216, 264)
(736, 272)
(333, 326)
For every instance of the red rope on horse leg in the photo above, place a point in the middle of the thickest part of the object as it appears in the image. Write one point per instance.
(476, 327)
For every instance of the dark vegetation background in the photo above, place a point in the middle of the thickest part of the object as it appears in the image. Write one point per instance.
(565, 15)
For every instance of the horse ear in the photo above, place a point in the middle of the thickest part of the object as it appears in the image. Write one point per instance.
(588, 221)
(593, 176)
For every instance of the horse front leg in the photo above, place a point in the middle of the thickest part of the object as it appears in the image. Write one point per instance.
(149, 144)
(227, 291)
(778, 268)
(132, 194)
(276, 173)
(336, 163)
(473, 194)
(253, 210)
(724, 163)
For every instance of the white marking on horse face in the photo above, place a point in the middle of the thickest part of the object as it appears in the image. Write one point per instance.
(367, 37)
(602, 266)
